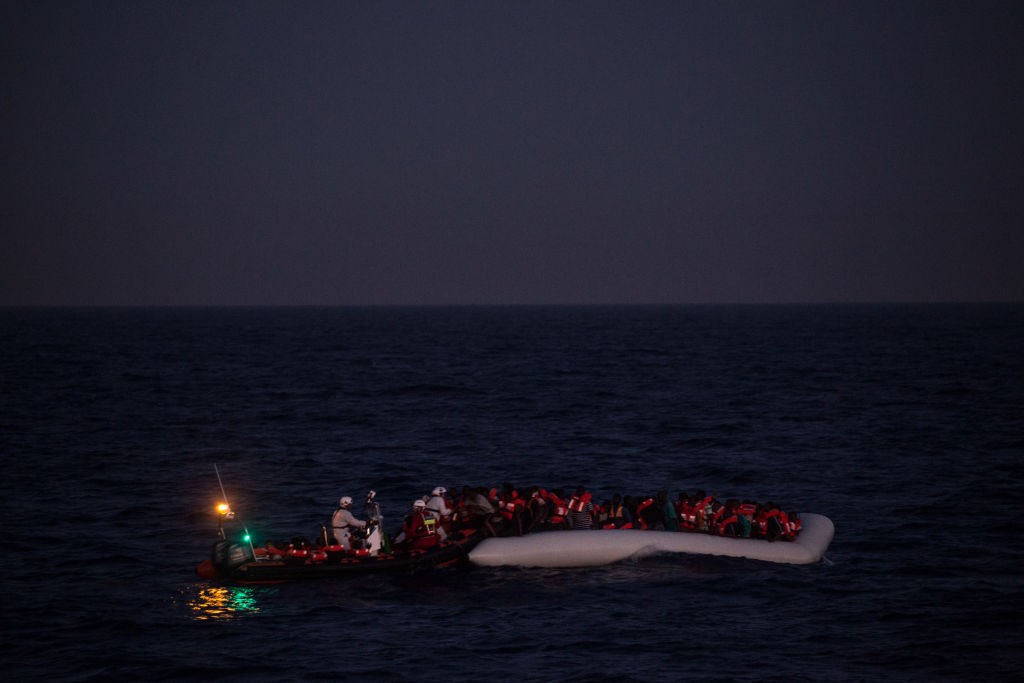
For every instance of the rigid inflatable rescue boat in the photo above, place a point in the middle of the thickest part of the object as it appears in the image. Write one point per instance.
(235, 562)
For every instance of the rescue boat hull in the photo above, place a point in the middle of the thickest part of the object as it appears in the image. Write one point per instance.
(246, 570)
(600, 547)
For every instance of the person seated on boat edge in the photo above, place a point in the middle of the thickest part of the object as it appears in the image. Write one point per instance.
(793, 525)
(701, 506)
(601, 514)
(558, 509)
(746, 512)
(773, 523)
(342, 521)
(727, 520)
(721, 511)
(630, 511)
(669, 519)
(484, 513)
(581, 510)
(619, 516)
(646, 513)
(684, 512)
(535, 513)
(440, 507)
(511, 507)
(420, 530)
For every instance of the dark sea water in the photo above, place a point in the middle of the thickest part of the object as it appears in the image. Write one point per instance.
(903, 424)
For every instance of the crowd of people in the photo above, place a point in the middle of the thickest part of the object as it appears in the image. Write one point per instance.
(507, 511)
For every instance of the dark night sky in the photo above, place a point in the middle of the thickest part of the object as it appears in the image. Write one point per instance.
(505, 153)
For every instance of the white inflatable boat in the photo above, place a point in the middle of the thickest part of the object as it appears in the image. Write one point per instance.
(593, 548)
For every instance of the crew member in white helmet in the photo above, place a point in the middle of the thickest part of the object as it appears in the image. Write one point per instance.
(418, 527)
(343, 520)
(437, 505)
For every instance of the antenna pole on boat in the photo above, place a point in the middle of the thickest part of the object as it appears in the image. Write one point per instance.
(248, 536)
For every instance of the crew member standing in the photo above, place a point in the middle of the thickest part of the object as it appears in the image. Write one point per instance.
(343, 520)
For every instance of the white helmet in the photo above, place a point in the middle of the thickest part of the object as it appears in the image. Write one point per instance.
(419, 503)
(346, 501)
(439, 491)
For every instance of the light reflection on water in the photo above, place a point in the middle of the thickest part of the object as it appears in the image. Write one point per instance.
(224, 602)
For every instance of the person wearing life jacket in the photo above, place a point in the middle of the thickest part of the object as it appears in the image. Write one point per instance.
(727, 521)
(701, 509)
(343, 521)
(784, 522)
(746, 513)
(420, 530)
(689, 513)
(461, 517)
(558, 509)
(619, 516)
(682, 505)
(760, 525)
(510, 507)
(774, 522)
(437, 505)
(480, 512)
(793, 524)
(646, 514)
(535, 513)
(778, 524)
(721, 511)
(581, 510)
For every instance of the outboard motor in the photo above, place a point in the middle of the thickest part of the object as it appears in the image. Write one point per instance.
(366, 541)
(375, 540)
(228, 555)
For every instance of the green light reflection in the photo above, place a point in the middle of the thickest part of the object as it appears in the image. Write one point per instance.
(224, 602)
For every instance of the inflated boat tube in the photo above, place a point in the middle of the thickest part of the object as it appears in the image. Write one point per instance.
(593, 548)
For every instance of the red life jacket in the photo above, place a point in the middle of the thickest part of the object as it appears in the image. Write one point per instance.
(723, 524)
(700, 513)
(719, 514)
(760, 525)
(779, 517)
(687, 520)
(507, 505)
(640, 518)
(420, 530)
(558, 507)
(784, 521)
(298, 553)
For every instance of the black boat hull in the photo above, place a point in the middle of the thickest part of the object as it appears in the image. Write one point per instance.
(234, 563)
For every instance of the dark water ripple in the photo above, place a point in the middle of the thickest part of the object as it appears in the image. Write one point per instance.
(901, 423)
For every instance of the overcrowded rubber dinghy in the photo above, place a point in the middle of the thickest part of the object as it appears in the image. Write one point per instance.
(587, 548)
